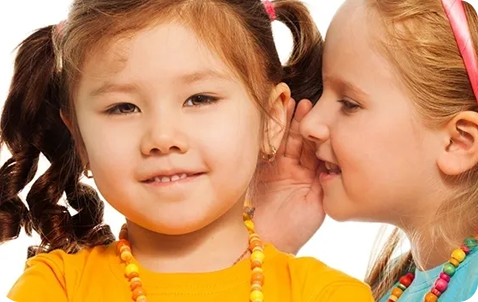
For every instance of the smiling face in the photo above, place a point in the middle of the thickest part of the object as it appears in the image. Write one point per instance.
(171, 135)
(381, 159)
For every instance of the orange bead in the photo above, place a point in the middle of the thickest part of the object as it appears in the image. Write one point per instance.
(454, 262)
(121, 243)
(257, 278)
(254, 244)
(123, 234)
(397, 292)
(138, 292)
(133, 275)
(431, 298)
(255, 264)
(136, 282)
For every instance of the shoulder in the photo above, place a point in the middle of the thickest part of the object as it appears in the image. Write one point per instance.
(58, 261)
(52, 274)
(319, 282)
(324, 283)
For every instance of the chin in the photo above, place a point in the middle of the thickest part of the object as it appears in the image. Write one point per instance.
(340, 211)
(178, 226)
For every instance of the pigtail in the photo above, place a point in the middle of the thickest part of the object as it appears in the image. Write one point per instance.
(20, 169)
(303, 71)
(31, 125)
(386, 270)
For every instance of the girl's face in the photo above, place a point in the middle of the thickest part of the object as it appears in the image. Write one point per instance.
(171, 135)
(381, 159)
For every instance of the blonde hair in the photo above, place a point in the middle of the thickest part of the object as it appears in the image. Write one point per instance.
(421, 48)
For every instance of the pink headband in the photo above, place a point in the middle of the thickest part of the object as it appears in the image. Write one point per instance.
(456, 14)
(270, 9)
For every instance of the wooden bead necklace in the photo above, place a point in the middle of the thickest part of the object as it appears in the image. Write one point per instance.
(441, 283)
(255, 248)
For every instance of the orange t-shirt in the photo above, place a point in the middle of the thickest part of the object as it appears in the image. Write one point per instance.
(97, 275)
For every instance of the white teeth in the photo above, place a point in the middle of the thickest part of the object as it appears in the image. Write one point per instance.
(166, 179)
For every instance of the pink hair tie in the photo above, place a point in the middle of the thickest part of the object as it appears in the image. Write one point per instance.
(60, 28)
(456, 15)
(270, 9)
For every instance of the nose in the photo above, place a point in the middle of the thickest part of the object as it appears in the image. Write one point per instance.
(163, 135)
(314, 126)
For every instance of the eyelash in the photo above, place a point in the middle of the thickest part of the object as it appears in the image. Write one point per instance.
(203, 101)
(348, 106)
(116, 109)
(209, 100)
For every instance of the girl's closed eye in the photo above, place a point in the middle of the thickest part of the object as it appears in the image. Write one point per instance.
(122, 109)
(200, 100)
(349, 106)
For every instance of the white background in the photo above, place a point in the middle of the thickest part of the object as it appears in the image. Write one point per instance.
(345, 246)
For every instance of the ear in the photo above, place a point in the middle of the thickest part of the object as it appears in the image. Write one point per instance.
(66, 121)
(81, 150)
(276, 125)
(461, 144)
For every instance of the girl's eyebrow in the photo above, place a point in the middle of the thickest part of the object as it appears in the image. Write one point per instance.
(201, 75)
(188, 78)
(341, 84)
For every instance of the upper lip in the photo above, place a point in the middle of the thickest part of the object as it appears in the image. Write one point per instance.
(169, 173)
(324, 160)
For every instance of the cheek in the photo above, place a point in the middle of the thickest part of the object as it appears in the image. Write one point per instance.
(229, 144)
(380, 164)
(106, 147)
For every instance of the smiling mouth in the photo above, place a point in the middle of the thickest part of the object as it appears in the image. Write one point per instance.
(170, 178)
(332, 168)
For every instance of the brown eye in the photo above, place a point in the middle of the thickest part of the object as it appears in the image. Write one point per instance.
(348, 106)
(124, 108)
(199, 100)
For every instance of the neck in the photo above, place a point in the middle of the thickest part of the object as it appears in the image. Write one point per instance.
(431, 248)
(214, 247)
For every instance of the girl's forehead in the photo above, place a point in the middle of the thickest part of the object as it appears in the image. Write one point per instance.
(169, 47)
(352, 44)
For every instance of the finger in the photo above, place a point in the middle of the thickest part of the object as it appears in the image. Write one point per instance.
(302, 109)
(293, 147)
(316, 194)
(290, 113)
(307, 156)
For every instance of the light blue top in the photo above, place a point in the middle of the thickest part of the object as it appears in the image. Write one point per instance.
(462, 285)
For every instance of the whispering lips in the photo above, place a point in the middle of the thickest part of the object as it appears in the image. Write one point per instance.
(332, 168)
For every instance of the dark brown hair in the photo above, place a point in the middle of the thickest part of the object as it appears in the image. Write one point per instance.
(48, 66)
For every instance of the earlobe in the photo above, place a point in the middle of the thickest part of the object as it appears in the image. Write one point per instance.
(277, 122)
(461, 151)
